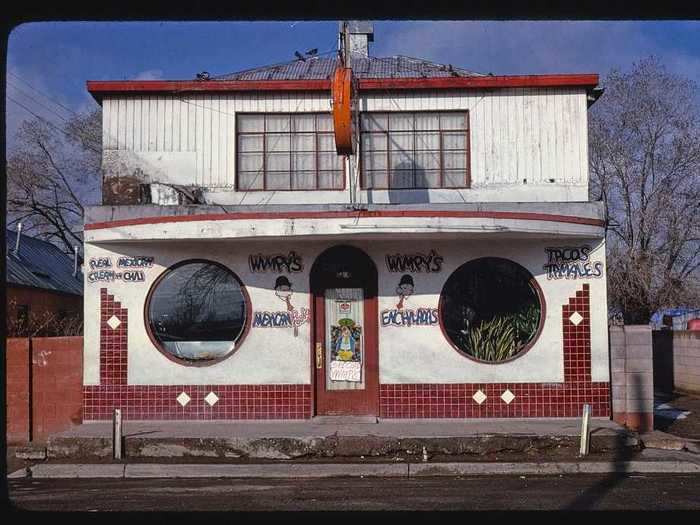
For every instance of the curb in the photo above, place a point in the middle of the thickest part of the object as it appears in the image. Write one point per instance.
(410, 470)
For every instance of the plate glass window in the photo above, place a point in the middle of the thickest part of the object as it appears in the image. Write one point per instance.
(197, 312)
(490, 309)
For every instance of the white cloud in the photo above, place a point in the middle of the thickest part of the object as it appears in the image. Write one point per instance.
(149, 74)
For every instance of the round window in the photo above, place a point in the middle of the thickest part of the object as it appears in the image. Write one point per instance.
(197, 312)
(490, 309)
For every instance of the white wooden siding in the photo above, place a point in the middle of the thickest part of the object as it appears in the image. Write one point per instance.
(518, 136)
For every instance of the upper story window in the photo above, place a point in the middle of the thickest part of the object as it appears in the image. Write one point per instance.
(402, 150)
(281, 151)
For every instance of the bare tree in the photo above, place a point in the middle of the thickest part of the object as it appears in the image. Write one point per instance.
(52, 173)
(645, 166)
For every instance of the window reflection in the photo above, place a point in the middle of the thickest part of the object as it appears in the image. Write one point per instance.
(490, 309)
(197, 311)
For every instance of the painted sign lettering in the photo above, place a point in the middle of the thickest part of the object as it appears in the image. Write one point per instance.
(417, 317)
(100, 262)
(289, 319)
(415, 263)
(139, 261)
(277, 263)
(110, 275)
(571, 263)
(103, 272)
(346, 371)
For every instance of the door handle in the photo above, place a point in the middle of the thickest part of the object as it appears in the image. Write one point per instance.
(319, 355)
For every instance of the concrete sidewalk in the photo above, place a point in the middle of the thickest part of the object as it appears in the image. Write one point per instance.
(655, 463)
(329, 437)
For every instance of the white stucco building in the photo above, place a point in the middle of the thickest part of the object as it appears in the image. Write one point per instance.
(239, 268)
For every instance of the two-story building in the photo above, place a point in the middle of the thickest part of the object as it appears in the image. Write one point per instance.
(451, 267)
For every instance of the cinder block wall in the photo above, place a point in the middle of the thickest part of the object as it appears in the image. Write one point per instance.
(686, 361)
(44, 395)
(632, 376)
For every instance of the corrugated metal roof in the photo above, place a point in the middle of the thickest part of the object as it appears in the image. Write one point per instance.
(319, 68)
(40, 264)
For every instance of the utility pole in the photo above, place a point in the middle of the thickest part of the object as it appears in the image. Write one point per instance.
(346, 60)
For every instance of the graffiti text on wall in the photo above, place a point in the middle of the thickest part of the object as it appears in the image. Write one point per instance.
(571, 263)
(288, 319)
(417, 317)
(101, 269)
(414, 262)
(275, 263)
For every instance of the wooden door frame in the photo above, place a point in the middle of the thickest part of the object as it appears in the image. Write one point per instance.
(318, 283)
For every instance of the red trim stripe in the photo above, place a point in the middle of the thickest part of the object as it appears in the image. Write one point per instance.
(234, 216)
(99, 88)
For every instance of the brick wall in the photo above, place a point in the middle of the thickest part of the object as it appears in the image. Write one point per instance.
(47, 395)
(632, 374)
(17, 384)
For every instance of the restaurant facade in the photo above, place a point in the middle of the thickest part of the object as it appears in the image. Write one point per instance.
(451, 266)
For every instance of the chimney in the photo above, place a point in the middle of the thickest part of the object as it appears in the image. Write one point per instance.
(360, 34)
(19, 236)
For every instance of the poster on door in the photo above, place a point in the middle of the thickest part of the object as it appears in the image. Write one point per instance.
(346, 351)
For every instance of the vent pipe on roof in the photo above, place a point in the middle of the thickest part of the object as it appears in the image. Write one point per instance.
(19, 236)
(75, 261)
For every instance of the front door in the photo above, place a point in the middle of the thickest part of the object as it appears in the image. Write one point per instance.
(344, 286)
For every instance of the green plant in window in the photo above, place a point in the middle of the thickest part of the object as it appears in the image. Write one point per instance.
(493, 340)
(526, 321)
(501, 337)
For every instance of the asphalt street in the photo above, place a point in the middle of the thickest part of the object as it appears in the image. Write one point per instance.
(479, 493)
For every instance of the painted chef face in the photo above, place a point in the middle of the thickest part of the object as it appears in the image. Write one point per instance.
(405, 290)
(283, 291)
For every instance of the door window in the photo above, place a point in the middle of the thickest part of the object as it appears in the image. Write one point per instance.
(344, 308)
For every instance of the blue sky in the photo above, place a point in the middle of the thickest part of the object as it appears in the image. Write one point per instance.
(56, 58)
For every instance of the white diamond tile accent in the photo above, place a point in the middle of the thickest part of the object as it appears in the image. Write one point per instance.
(183, 399)
(114, 322)
(479, 397)
(576, 318)
(507, 396)
(211, 398)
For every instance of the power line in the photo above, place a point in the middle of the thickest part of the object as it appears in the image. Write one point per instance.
(69, 135)
(39, 103)
(42, 93)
